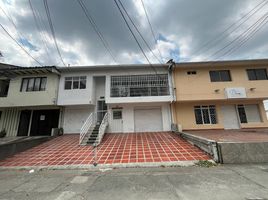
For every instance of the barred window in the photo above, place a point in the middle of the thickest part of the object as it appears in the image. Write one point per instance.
(140, 85)
(205, 114)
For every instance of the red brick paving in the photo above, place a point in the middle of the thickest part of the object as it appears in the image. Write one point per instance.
(242, 135)
(115, 148)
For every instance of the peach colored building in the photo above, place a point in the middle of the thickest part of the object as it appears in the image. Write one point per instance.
(220, 94)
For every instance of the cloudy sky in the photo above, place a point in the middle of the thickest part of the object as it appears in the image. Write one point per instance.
(235, 29)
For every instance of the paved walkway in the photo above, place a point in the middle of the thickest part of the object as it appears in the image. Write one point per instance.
(242, 135)
(115, 149)
(224, 182)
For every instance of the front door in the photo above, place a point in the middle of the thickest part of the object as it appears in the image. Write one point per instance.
(117, 120)
(43, 121)
(101, 110)
(25, 117)
(230, 119)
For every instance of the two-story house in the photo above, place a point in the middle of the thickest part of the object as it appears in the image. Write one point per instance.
(220, 95)
(28, 100)
(137, 97)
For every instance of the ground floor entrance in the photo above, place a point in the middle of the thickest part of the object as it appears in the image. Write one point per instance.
(29, 122)
(220, 115)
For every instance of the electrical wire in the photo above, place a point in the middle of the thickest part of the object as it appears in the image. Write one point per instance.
(225, 33)
(152, 30)
(136, 28)
(96, 29)
(52, 30)
(6, 31)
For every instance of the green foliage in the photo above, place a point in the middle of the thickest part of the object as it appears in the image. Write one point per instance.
(3, 133)
(206, 163)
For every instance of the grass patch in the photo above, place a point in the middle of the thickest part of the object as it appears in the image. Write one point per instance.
(206, 163)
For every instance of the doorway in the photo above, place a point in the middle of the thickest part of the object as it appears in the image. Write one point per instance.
(101, 110)
(117, 120)
(25, 117)
(230, 119)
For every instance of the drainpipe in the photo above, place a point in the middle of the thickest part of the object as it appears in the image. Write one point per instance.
(172, 83)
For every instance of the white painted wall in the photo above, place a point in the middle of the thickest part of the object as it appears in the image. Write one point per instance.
(87, 96)
(128, 115)
(74, 118)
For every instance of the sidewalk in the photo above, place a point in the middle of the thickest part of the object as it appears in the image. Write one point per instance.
(245, 182)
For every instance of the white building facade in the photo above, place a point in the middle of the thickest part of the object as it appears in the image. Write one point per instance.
(136, 97)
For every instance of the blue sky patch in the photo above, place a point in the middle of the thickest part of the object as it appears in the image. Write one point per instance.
(27, 43)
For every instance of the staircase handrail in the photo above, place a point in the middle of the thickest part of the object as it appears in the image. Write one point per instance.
(102, 129)
(87, 126)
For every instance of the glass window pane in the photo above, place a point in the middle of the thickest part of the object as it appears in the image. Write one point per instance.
(117, 114)
(242, 114)
(251, 74)
(83, 82)
(24, 85)
(37, 84)
(75, 84)
(261, 74)
(225, 75)
(43, 84)
(30, 84)
(205, 116)
(214, 76)
(198, 116)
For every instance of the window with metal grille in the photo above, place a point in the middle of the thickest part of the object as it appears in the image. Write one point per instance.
(140, 85)
(220, 76)
(205, 114)
(249, 113)
(257, 74)
(4, 87)
(33, 84)
(76, 82)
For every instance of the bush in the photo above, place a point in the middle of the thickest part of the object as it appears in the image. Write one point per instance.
(60, 131)
(3, 133)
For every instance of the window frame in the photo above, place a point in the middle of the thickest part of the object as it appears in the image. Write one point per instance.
(211, 110)
(220, 75)
(28, 79)
(254, 71)
(75, 80)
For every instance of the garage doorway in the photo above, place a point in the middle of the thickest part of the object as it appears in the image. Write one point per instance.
(148, 119)
(230, 118)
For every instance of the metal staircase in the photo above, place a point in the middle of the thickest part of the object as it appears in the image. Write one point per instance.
(92, 132)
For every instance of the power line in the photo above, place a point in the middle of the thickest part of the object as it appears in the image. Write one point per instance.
(52, 30)
(96, 29)
(40, 32)
(139, 45)
(136, 28)
(256, 29)
(236, 38)
(239, 23)
(152, 31)
(20, 45)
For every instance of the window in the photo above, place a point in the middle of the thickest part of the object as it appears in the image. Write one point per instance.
(76, 82)
(205, 114)
(220, 76)
(257, 74)
(140, 85)
(248, 113)
(4, 86)
(33, 84)
(117, 114)
(191, 72)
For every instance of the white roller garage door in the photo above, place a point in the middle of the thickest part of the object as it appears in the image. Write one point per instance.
(147, 120)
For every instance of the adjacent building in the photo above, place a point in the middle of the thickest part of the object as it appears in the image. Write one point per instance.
(220, 95)
(28, 100)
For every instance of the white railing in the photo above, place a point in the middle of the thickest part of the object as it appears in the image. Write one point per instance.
(88, 126)
(102, 129)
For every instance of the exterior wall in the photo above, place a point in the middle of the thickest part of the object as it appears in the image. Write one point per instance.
(74, 118)
(36, 98)
(128, 115)
(88, 95)
(10, 121)
(199, 86)
(186, 117)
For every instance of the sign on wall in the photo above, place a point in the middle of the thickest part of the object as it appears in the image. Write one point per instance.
(235, 93)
